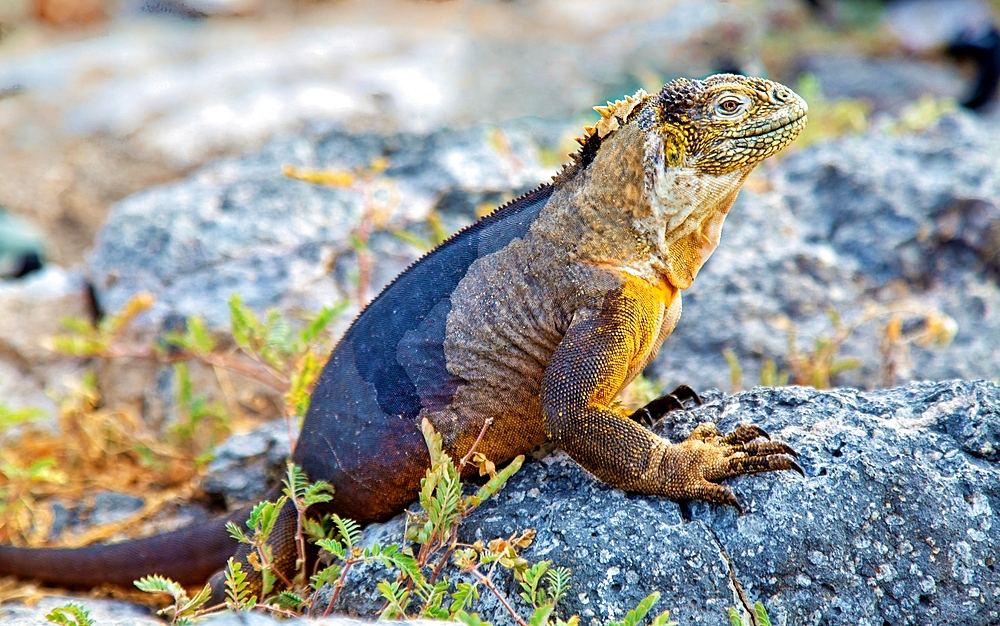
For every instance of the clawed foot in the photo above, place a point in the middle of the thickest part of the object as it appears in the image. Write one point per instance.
(707, 457)
(680, 399)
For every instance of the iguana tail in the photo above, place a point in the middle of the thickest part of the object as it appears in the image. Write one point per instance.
(189, 556)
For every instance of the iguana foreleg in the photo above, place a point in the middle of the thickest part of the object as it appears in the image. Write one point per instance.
(586, 373)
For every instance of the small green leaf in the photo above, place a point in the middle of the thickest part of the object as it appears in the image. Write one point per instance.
(160, 584)
(289, 600)
(762, 617)
(463, 596)
(497, 482)
(663, 619)
(333, 546)
(734, 618)
(541, 615)
(71, 614)
(321, 321)
(326, 576)
(238, 597)
(397, 600)
(469, 619)
(350, 531)
(634, 616)
(236, 533)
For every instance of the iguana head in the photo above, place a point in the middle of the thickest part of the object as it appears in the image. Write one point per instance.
(702, 138)
(723, 123)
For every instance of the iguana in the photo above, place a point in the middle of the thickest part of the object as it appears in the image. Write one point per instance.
(534, 318)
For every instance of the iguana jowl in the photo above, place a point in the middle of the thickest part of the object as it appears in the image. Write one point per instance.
(536, 317)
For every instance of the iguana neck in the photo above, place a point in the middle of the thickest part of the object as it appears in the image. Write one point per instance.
(629, 211)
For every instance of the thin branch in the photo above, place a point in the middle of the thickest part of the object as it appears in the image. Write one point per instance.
(489, 585)
(475, 444)
(340, 585)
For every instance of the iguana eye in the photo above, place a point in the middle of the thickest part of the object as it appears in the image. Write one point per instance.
(730, 106)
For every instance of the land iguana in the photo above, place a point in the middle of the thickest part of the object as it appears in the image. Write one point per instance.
(535, 317)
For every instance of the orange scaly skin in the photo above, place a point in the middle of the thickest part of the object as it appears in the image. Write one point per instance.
(535, 317)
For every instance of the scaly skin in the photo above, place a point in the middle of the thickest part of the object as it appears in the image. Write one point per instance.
(536, 317)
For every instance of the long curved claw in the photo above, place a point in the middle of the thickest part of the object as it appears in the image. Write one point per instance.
(717, 494)
(680, 399)
(684, 393)
(795, 467)
(743, 465)
(745, 433)
(764, 448)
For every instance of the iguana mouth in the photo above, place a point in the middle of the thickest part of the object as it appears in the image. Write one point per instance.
(776, 126)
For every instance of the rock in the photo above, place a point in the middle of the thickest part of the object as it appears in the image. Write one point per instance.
(111, 507)
(905, 222)
(187, 91)
(894, 523)
(103, 612)
(115, 613)
(30, 312)
(242, 226)
(246, 465)
(888, 84)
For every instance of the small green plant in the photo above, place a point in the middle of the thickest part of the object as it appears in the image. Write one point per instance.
(71, 614)
(184, 608)
(759, 612)
(273, 351)
(200, 424)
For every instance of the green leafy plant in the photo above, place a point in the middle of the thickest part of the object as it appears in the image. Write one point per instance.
(184, 608)
(759, 612)
(200, 424)
(285, 356)
(71, 614)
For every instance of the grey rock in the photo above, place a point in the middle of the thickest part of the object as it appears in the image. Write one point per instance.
(61, 519)
(895, 521)
(246, 464)
(241, 226)
(188, 91)
(114, 613)
(103, 612)
(888, 84)
(111, 507)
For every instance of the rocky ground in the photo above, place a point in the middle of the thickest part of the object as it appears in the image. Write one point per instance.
(151, 152)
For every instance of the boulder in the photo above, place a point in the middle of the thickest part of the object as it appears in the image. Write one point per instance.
(894, 522)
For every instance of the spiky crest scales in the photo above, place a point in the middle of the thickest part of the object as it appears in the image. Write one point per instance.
(613, 115)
